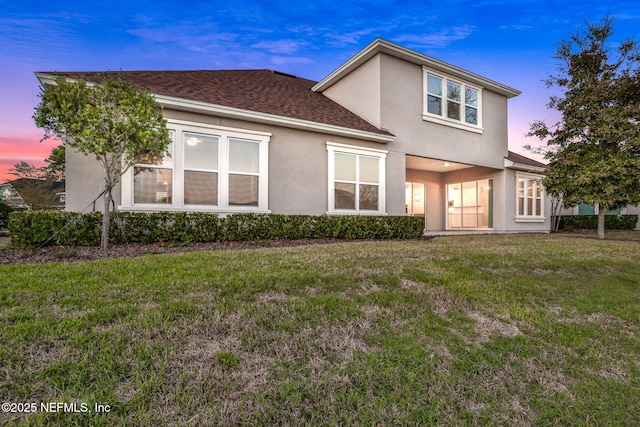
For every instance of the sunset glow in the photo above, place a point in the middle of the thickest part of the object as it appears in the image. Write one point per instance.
(509, 42)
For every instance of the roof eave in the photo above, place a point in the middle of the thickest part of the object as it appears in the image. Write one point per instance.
(272, 119)
(48, 78)
(522, 167)
(383, 46)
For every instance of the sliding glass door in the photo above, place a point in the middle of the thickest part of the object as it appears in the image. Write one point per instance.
(470, 205)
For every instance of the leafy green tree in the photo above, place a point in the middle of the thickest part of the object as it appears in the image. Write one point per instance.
(594, 150)
(114, 121)
(56, 162)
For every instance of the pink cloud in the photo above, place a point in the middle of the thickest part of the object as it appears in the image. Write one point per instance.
(24, 147)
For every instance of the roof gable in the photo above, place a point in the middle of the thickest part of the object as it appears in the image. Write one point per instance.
(386, 47)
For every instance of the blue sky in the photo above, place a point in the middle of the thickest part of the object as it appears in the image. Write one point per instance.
(509, 41)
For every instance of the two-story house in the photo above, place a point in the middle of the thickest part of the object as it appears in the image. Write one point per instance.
(389, 132)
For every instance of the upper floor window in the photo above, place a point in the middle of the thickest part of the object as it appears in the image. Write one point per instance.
(451, 101)
(530, 200)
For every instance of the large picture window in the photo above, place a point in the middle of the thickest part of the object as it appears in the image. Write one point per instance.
(451, 101)
(201, 167)
(356, 179)
(244, 172)
(529, 198)
(211, 168)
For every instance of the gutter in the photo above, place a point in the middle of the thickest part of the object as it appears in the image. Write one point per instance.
(522, 167)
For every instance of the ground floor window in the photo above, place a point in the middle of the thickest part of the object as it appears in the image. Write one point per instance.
(356, 179)
(153, 177)
(529, 198)
(208, 168)
(470, 204)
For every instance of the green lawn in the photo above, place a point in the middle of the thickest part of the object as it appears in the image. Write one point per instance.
(483, 330)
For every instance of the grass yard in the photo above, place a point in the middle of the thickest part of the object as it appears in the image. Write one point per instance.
(482, 330)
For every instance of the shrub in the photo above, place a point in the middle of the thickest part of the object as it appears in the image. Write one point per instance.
(39, 228)
(590, 222)
(5, 210)
(53, 227)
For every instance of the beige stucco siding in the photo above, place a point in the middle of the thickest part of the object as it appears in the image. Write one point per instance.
(395, 102)
(360, 91)
(402, 108)
(85, 183)
(298, 168)
(435, 196)
(504, 201)
(395, 179)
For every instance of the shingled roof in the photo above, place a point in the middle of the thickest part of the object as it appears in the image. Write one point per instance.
(263, 91)
(522, 160)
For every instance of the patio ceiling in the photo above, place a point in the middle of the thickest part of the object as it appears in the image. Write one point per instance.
(434, 165)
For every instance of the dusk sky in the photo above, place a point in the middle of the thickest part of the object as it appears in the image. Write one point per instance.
(511, 42)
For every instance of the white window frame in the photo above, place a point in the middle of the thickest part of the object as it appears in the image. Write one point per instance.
(490, 208)
(166, 166)
(180, 127)
(526, 216)
(443, 119)
(334, 148)
(185, 168)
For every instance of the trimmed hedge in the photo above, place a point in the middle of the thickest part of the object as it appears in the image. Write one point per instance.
(590, 222)
(45, 228)
(52, 227)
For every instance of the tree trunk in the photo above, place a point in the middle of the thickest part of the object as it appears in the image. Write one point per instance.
(106, 218)
(556, 213)
(600, 222)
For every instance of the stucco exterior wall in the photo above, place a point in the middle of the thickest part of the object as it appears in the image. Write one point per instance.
(435, 196)
(395, 177)
(298, 169)
(510, 206)
(85, 183)
(360, 91)
(388, 92)
(402, 107)
(504, 198)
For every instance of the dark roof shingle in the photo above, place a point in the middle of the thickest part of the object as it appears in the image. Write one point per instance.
(522, 160)
(263, 91)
